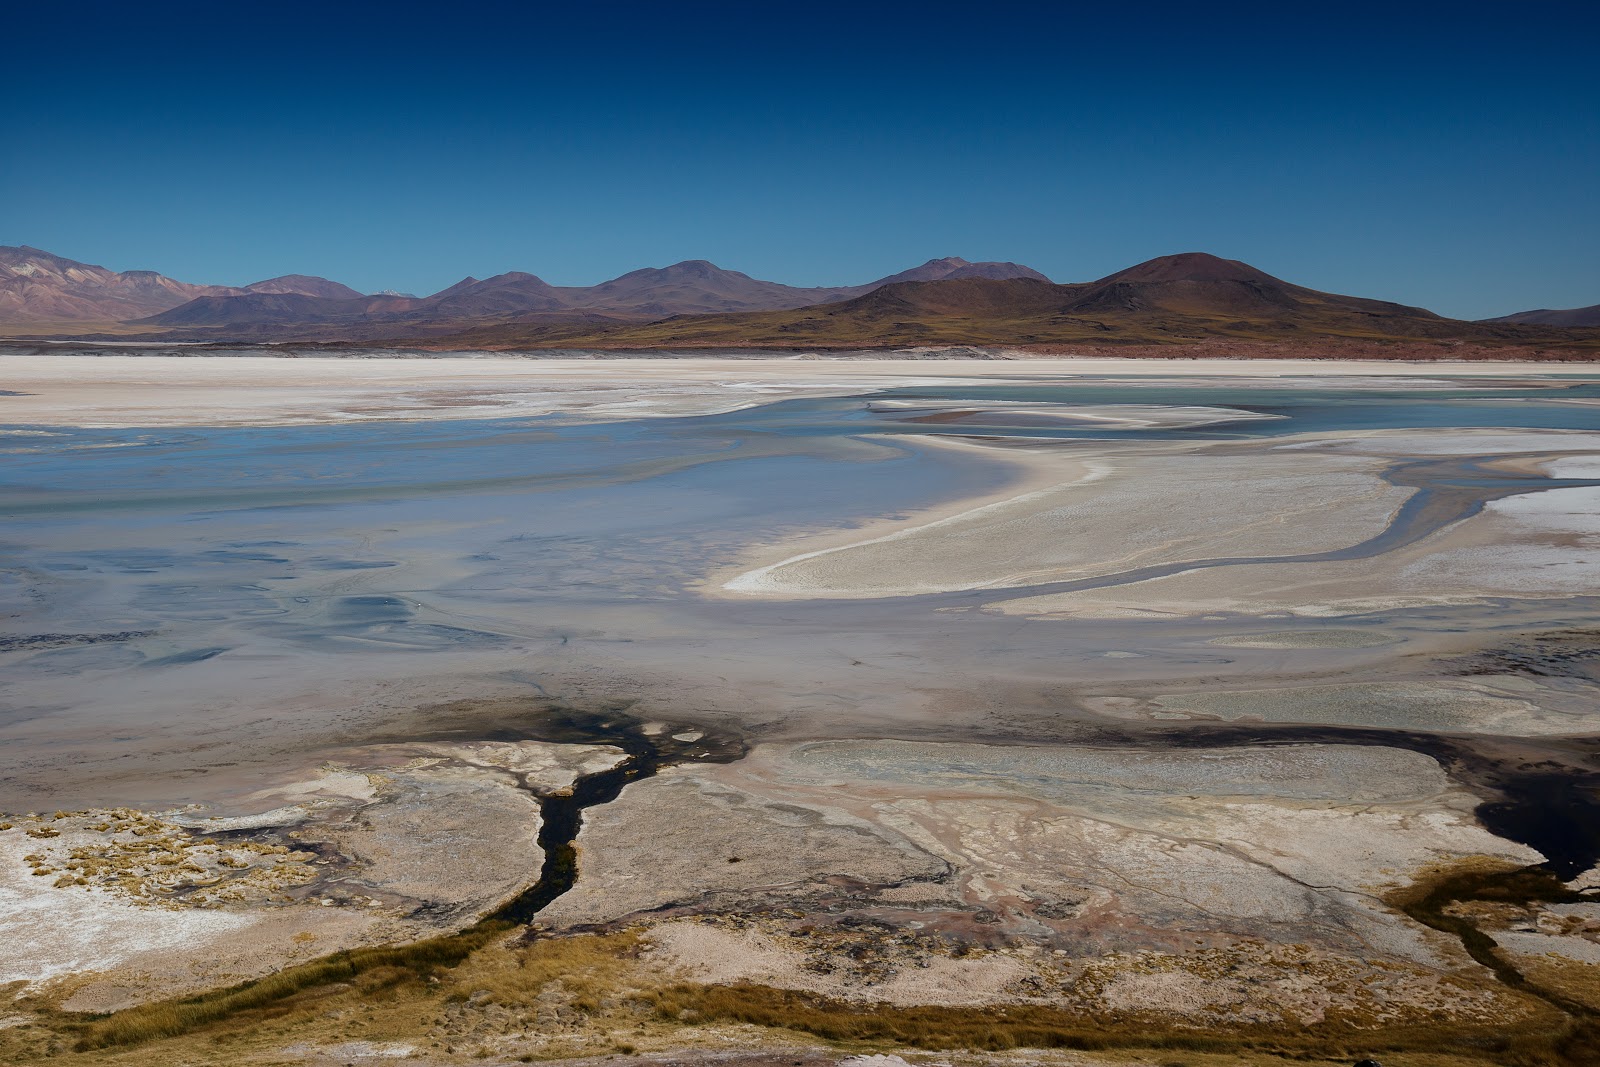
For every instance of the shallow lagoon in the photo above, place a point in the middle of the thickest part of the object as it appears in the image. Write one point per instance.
(209, 574)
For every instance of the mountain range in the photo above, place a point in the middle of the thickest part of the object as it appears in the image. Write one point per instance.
(1172, 300)
(1178, 299)
(39, 287)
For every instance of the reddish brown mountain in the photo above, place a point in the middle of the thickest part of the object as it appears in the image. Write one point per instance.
(1198, 285)
(1172, 300)
(1197, 267)
(1177, 299)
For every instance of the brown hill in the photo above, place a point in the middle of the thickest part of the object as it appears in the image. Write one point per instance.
(691, 287)
(1202, 286)
(289, 309)
(504, 294)
(1193, 267)
(1589, 316)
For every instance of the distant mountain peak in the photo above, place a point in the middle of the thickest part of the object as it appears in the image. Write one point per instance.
(306, 284)
(1562, 317)
(683, 269)
(945, 263)
(513, 277)
(36, 285)
(950, 268)
(931, 271)
(995, 271)
(1191, 267)
(465, 283)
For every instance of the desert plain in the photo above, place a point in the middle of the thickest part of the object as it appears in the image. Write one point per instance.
(478, 708)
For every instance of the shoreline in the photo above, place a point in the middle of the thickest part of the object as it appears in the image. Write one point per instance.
(1332, 347)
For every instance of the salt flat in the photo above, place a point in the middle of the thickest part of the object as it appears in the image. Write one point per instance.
(258, 390)
(1134, 691)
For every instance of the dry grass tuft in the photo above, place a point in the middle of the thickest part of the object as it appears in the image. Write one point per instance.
(375, 967)
(590, 967)
(565, 993)
(1547, 1042)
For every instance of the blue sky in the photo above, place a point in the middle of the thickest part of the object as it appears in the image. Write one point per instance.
(1441, 156)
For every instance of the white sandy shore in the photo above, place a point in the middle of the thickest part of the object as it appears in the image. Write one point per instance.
(1092, 513)
(165, 390)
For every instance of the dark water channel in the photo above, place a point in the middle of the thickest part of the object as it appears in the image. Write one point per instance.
(561, 813)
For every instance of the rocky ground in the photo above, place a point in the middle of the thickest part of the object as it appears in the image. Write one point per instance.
(394, 843)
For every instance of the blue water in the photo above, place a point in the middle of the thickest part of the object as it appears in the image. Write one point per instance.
(1316, 409)
(281, 466)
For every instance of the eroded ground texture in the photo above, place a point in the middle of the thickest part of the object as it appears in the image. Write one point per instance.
(765, 712)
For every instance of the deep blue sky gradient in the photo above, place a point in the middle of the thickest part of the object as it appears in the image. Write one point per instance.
(1436, 155)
